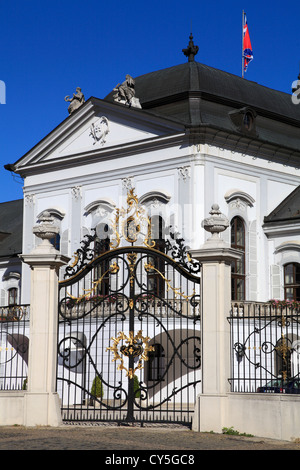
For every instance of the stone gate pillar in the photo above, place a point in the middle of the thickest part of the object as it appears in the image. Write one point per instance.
(42, 405)
(216, 257)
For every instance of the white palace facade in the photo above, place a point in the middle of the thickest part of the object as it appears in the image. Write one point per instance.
(184, 138)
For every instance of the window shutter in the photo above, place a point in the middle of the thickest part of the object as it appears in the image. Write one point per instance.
(64, 243)
(226, 236)
(3, 297)
(275, 282)
(252, 261)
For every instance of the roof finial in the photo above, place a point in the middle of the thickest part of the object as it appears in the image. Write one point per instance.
(191, 50)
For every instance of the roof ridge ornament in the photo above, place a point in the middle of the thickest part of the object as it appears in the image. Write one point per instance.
(76, 101)
(191, 50)
(125, 93)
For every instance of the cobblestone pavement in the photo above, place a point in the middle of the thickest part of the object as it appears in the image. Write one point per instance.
(132, 438)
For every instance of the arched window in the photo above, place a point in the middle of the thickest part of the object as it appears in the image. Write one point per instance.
(155, 281)
(292, 281)
(238, 272)
(157, 232)
(156, 363)
(102, 244)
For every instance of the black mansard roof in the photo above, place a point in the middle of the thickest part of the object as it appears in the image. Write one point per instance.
(195, 80)
(11, 228)
(200, 96)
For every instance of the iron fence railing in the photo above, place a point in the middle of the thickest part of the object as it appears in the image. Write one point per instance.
(265, 347)
(14, 343)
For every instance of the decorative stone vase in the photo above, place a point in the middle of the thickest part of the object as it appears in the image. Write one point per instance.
(217, 223)
(46, 230)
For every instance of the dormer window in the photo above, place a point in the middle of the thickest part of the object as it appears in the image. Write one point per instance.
(244, 120)
(248, 121)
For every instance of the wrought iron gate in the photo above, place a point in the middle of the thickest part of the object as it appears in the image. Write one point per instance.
(129, 333)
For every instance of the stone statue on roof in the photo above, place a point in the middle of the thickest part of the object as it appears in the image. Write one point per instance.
(76, 101)
(126, 93)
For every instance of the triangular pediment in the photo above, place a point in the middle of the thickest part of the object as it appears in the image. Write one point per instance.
(96, 128)
(288, 210)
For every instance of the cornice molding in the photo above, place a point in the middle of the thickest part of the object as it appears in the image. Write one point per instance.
(246, 145)
(280, 229)
(99, 155)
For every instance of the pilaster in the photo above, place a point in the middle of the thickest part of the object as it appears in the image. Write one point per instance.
(41, 400)
(215, 257)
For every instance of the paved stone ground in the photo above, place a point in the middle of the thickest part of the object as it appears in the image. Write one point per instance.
(130, 439)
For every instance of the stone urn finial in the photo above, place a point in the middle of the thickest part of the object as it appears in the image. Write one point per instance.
(45, 230)
(217, 223)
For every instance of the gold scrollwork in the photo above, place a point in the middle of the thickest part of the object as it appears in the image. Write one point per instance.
(76, 258)
(135, 218)
(116, 236)
(131, 229)
(283, 321)
(113, 269)
(132, 257)
(149, 267)
(135, 346)
(283, 348)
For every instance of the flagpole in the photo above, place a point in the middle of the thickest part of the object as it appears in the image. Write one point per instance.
(243, 44)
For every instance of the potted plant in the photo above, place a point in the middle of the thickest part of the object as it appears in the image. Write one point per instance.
(136, 387)
(24, 386)
(97, 389)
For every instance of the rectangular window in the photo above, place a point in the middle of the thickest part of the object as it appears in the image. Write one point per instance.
(12, 296)
(238, 270)
(292, 281)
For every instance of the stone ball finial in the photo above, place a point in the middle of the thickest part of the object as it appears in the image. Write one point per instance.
(216, 223)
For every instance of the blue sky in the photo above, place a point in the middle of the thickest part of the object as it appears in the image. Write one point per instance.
(48, 48)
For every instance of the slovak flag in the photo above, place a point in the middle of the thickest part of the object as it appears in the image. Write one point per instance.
(247, 48)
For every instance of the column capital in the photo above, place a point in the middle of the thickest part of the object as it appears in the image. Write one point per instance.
(212, 252)
(53, 260)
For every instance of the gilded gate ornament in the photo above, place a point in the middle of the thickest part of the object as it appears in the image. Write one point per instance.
(132, 257)
(129, 224)
(135, 223)
(113, 269)
(150, 267)
(284, 350)
(133, 348)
